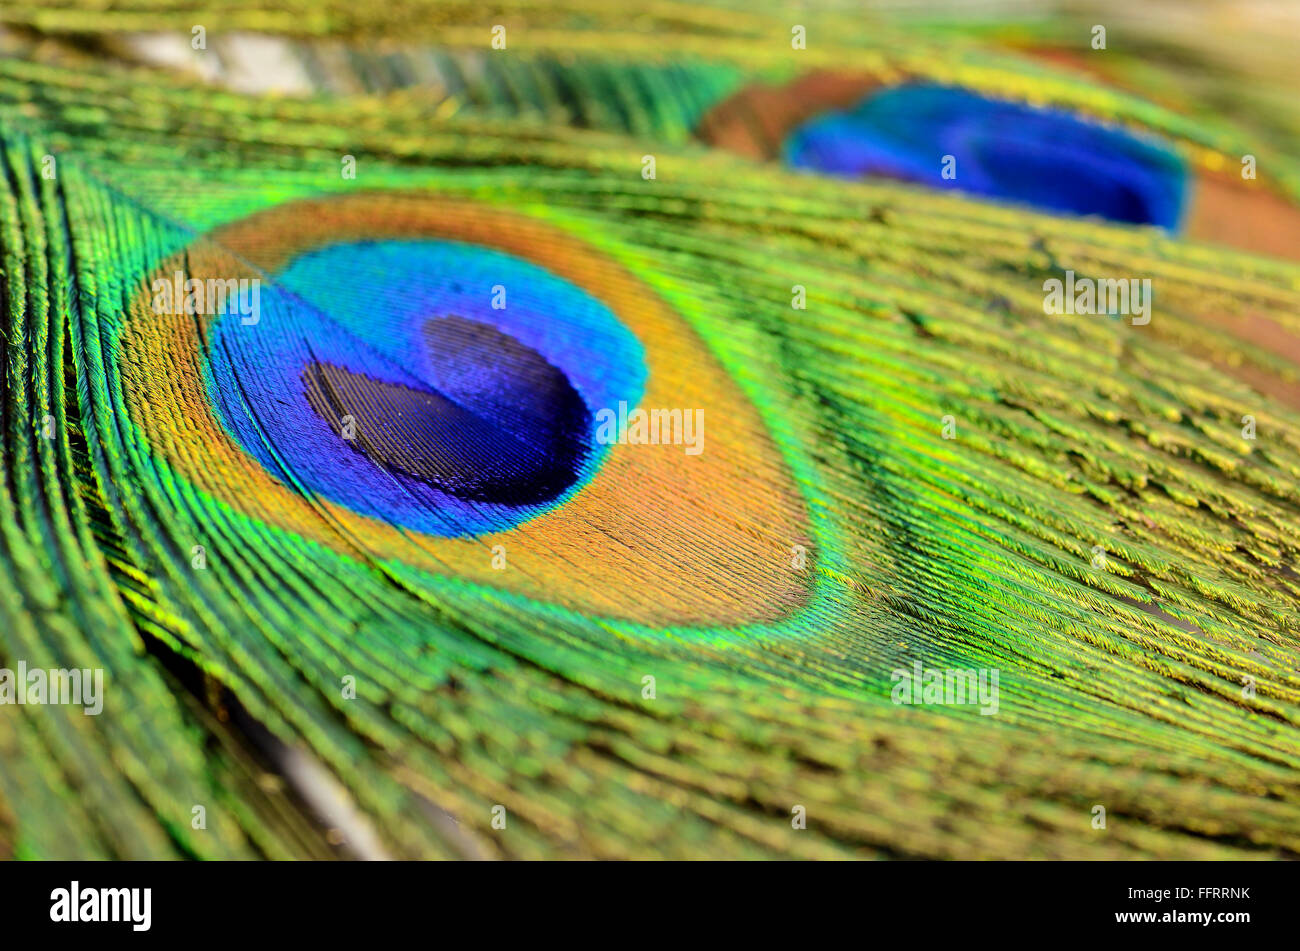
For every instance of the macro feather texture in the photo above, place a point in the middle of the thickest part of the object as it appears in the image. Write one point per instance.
(375, 641)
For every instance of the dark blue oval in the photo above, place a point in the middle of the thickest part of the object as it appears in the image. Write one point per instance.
(1041, 157)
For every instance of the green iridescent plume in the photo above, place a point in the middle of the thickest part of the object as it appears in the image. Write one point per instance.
(363, 578)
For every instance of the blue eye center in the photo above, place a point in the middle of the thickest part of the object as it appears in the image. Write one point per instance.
(950, 138)
(445, 387)
(520, 441)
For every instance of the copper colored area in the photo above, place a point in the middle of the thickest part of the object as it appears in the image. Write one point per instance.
(1259, 331)
(1243, 214)
(755, 121)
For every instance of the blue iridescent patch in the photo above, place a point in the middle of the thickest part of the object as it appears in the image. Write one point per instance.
(423, 403)
(1045, 158)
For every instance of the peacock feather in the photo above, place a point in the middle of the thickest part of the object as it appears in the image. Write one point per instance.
(366, 575)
